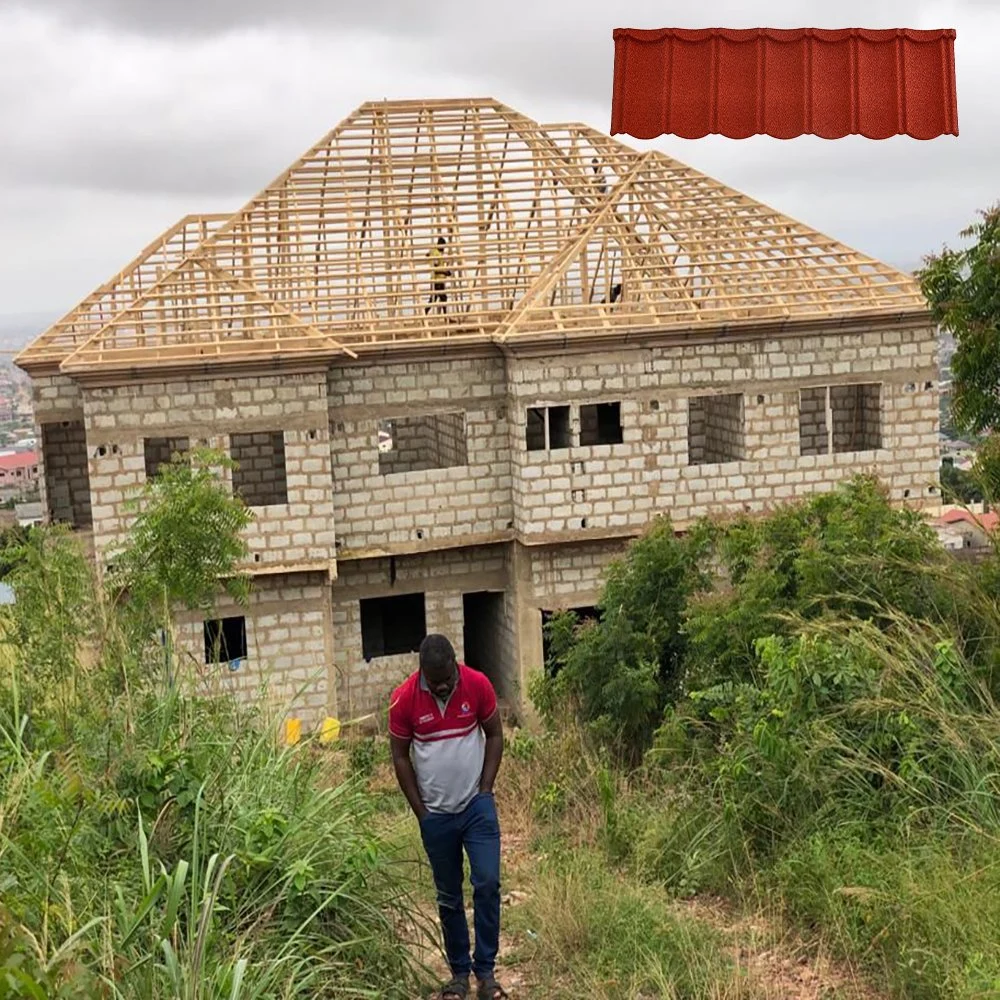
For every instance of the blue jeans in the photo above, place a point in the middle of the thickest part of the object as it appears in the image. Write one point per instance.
(477, 829)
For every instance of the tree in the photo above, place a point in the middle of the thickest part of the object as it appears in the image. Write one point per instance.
(184, 546)
(959, 486)
(683, 614)
(962, 288)
(618, 674)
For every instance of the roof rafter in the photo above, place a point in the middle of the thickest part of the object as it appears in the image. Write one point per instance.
(199, 311)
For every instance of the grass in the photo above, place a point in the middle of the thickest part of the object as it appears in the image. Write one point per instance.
(922, 915)
(155, 843)
(576, 922)
(629, 885)
(823, 825)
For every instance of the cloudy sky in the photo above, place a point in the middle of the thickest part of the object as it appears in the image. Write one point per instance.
(119, 116)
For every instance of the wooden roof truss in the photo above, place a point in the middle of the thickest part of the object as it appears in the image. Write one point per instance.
(541, 229)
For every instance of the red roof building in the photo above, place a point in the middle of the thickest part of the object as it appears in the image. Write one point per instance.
(958, 515)
(19, 467)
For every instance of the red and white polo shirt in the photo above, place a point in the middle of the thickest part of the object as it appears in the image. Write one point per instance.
(447, 744)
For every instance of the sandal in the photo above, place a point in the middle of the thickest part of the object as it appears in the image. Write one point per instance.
(457, 989)
(490, 989)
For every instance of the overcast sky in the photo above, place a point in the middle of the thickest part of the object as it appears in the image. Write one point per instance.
(119, 116)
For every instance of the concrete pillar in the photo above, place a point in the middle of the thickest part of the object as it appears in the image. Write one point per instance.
(528, 655)
(329, 639)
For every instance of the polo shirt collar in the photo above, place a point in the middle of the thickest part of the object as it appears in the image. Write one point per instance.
(425, 687)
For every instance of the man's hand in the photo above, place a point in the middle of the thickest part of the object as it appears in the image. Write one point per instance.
(406, 776)
(493, 730)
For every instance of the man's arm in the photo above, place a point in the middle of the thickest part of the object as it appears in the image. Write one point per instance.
(405, 774)
(493, 729)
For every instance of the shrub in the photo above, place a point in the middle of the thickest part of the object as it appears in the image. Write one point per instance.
(618, 674)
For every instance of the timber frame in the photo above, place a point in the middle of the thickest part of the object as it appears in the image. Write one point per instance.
(553, 235)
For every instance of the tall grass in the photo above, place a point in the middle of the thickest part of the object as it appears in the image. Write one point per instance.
(155, 843)
(856, 787)
(846, 777)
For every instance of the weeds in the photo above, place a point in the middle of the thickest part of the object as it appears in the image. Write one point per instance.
(833, 753)
(157, 843)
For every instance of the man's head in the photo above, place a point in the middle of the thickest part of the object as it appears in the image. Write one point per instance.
(438, 665)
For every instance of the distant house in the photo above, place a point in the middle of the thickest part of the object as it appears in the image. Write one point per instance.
(28, 514)
(972, 530)
(18, 470)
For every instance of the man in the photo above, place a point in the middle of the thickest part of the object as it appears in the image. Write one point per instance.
(447, 741)
(439, 273)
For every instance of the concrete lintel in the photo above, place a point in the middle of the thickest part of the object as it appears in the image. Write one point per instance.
(220, 428)
(581, 599)
(328, 567)
(391, 411)
(466, 583)
(426, 546)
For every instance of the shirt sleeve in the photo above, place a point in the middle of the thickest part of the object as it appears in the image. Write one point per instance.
(400, 721)
(487, 699)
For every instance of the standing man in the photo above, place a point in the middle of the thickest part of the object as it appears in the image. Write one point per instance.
(447, 741)
(440, 272)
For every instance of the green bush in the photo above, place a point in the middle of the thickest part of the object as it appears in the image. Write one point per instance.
(683, 614)
(829, 740)
(618, 674)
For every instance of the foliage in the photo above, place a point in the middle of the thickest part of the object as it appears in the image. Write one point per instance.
(54, 615)
(960, 486)
(185, 540)
(620, 672)
(963, 290)
(848, 552)
(611, 938)
(12, 542)
(684, 613)
(830, 744)
(159, 844)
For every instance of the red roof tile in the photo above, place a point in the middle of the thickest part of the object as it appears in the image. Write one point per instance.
(694, 82)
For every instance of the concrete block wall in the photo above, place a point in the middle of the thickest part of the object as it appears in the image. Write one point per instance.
(55, 398)
(814, 431)
(160, 451)
(289, 647)
(571, 576)
(260, 475)
(857, 417)
(443, 577)
(609, 488)
(498, 628)
(65, 473)
(296, 534)
(462, 504)
(57, 404)
(716, 431)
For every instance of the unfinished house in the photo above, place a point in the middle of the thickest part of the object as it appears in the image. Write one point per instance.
(461, 358)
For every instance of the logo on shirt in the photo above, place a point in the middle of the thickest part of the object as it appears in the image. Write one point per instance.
(426, 718)
(465, 708)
